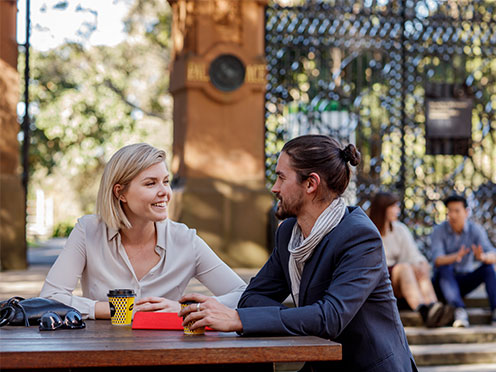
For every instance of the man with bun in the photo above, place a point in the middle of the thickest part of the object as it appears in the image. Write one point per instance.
(329, 258)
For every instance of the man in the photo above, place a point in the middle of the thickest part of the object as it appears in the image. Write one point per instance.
(463, 258)
(329, 258)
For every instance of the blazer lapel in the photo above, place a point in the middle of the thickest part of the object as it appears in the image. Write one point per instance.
(312, 264)
(309, 269)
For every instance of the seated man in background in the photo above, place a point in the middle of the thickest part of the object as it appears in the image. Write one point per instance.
(463, 258)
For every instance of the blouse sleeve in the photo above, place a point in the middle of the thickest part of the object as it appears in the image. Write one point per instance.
(212, 272)
(409, 252)
(66, 272)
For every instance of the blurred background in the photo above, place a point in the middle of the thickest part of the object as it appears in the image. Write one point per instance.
(411, 83)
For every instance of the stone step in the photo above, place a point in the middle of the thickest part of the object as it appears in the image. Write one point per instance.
(476, 316)
(448, 335)
(491, 367)
(454, 354)
(476, 302)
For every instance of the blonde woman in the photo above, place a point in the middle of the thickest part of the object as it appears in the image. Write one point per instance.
(130, 243)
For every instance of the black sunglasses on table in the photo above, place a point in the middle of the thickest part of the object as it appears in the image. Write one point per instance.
(51, 321)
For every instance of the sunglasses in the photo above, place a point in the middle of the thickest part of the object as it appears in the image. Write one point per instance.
(51, 321)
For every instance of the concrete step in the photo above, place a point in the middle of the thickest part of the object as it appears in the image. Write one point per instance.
(454, 354)
(476, 302)
(477, 334)
(476, 316)
(491, 367)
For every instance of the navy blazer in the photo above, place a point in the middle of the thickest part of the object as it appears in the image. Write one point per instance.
(345, 296)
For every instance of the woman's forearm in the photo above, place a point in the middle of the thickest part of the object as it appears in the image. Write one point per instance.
(102, 310)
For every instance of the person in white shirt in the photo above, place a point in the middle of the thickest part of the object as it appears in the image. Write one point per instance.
(408, 268)
(130, 243)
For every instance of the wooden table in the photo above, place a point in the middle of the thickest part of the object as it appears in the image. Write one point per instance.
(102, 345)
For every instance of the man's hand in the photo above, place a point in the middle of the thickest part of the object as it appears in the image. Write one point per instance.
(461, 253)
(480, 255)
(211, 314)
(157, 304)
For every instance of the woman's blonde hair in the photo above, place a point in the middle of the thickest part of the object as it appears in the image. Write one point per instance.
(122, 167)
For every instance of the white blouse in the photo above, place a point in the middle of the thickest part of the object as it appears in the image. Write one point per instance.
(400, 246)
(94, 254)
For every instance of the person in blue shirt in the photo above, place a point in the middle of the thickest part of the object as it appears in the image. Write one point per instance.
(463, 258)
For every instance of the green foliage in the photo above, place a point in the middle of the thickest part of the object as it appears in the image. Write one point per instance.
(88, 102)
(62, 229)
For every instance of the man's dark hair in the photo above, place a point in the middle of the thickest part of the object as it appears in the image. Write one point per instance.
(315, 153)
(456, 198)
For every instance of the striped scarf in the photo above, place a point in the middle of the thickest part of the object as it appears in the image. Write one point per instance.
(301, 249)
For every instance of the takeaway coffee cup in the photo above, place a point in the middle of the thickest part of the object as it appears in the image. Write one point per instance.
(187, 330)
(121, 306)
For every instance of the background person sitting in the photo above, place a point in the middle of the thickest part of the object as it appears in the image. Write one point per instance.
(408, 268)
(130, 243)
(463, 257)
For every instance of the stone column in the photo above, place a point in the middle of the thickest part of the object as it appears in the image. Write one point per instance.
(12, 212)
(218, 84)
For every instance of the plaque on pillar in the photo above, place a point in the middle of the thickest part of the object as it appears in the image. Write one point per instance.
(218, 85)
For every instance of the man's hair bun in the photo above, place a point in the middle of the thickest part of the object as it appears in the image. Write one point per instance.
(351, 154)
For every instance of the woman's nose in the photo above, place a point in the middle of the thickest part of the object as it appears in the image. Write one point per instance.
(162, 189)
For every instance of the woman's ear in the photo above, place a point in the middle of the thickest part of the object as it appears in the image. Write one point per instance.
(313, 182)
(118, 192)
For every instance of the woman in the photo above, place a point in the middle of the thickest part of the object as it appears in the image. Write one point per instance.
(408, 268)
(130, 243)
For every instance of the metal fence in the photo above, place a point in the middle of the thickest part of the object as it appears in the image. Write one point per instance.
(358, 70)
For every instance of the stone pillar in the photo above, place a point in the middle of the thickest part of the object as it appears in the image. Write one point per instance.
(12, 212)
(218, 84)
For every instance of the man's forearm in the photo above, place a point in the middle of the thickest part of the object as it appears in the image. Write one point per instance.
(490, 258)
(446, 259)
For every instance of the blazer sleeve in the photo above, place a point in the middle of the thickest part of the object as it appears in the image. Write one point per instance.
(357, 273)
(269, 287)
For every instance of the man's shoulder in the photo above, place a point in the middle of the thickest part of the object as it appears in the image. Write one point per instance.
(474, 227)
(355, 218)
(442, 228)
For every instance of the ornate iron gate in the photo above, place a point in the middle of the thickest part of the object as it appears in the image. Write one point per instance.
(358, 70)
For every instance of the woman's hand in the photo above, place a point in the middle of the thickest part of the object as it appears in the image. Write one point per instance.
(210, 313)
(157, 304)
(102, 310)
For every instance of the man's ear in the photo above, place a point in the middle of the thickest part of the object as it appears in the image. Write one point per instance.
(117, 190)
(312, 183)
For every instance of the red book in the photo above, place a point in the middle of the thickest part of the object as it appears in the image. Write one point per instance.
(151, 320)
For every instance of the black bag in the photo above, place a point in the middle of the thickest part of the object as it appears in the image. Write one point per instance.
(18, 311)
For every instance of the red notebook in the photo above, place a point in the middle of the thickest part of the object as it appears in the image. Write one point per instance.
(151, 320)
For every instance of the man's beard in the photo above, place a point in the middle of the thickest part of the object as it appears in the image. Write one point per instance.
(286, 211)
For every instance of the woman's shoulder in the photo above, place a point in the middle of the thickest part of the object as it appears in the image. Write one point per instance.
(90, 220)
(177, 230)
(90, 223)
(399, 225)
(399, 228)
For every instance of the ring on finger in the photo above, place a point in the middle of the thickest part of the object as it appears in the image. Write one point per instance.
(198, 306)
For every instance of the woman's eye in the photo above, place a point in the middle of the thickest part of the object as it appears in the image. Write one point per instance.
(150, 183)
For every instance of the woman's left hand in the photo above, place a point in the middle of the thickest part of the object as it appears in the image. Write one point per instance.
(157, 304)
